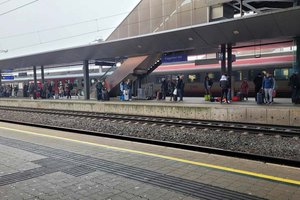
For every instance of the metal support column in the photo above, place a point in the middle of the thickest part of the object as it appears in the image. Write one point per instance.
(35, 86)
(0, 78)
(34, 77)
(223, 59)
(86, 78)
(229, 67)
(241, 8)
(42, 74)
(296, 67)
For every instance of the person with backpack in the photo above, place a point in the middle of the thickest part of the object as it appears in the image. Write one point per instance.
(224, 84)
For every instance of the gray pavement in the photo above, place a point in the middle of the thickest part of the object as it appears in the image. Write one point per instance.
(35, 166)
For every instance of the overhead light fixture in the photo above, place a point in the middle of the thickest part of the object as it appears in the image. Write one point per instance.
(139, 46)
(190, 39)
(118, 64)
(236, 32)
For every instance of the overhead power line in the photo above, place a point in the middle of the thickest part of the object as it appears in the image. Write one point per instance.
(62, 26)
(5, 2)
(17, 8)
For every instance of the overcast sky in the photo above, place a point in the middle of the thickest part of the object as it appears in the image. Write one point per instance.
(31, 26)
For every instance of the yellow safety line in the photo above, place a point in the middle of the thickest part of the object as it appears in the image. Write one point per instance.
(273, 178)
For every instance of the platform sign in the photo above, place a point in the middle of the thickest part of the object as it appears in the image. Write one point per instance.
(174, 57)
(8, 77)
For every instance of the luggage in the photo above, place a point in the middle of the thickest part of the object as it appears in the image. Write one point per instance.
(240, 96)
(259, 98)
(126, 95)
(206, 97)
(175, 98)
(235, 98)
(105, 95)
(158, 95)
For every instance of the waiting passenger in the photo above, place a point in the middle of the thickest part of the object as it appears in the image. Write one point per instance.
(180, 87)
(244, 89)
(208, 84)
(99, 88)
(224, 86)
(229, 88)
(294, 83)
(268, 87)
(171, 88)
(164, 89)
(258, 84)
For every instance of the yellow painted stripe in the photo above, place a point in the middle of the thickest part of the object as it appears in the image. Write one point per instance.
(227, 169)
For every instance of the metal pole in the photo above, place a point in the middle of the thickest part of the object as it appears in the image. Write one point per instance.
(241, 8)
(223, 60)
(34, 77)
(42, 74)
(229, 66)
(296, 66)
(86, 78)
(0, 78)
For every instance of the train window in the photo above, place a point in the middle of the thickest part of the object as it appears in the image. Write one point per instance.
(282, 74)
(238, 75)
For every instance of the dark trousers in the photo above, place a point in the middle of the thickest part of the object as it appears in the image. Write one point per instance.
(224, 94)
(257, 89)
(295, 94)
(180, 94)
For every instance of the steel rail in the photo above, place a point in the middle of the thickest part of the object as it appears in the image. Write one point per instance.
(284, 131)
(212, 150)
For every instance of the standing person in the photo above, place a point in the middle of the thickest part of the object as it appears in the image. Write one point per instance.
(69, 88)
(180, 87)
(258, 84)
(171, 88)
(122, 91)
(244, 89)
(224, 86)
(164, 88)
(99, 88)
(268, 86)
(294, 83)
(207, 85)
(229, 88)
(50, 87)
(129, 87)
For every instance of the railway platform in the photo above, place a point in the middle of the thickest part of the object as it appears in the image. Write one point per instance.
(47, 164)
(281, 112)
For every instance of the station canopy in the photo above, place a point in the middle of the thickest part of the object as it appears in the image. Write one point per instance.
(263, 27)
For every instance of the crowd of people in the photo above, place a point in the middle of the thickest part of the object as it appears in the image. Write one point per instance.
(264, 84)
(264, 88)
(41, 90)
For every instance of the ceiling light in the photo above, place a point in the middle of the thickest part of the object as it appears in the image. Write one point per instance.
(236, 32)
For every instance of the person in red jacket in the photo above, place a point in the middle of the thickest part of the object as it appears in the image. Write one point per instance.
(244, 89)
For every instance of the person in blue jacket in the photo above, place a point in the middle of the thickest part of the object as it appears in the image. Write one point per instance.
(268, 86)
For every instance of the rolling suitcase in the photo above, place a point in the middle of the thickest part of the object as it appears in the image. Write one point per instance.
(105, 95)
(259, 97)
(159, 96)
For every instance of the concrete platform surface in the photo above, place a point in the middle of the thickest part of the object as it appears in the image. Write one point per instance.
(45, 164)
(281, 112)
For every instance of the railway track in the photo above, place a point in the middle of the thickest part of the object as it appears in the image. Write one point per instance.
(277, 130)
(283, 131)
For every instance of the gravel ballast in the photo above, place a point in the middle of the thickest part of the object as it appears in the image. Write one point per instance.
(282, 147)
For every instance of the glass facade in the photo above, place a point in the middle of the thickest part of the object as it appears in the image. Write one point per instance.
(152, 16)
